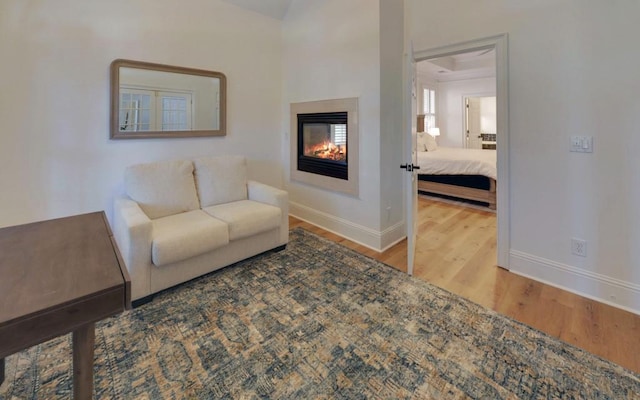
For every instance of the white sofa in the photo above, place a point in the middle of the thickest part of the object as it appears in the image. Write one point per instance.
(185, 218)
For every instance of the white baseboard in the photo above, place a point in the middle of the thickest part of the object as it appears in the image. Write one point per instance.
(614, 292)
(367, 237)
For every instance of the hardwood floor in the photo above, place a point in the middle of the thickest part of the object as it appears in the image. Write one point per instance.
(456, 250)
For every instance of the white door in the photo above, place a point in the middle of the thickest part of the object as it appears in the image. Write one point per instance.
(410, 155)
(473, 139)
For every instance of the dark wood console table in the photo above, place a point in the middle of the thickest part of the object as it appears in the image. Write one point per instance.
(56, 277)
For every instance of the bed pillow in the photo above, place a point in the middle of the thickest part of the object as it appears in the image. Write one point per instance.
(430, 143)
(422, 142)
(426, 142)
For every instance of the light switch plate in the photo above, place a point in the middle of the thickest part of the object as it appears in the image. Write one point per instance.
(581, 144)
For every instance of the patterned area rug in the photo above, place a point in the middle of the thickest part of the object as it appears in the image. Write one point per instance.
(318, 320)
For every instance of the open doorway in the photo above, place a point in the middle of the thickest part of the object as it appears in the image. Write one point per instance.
(456, 231)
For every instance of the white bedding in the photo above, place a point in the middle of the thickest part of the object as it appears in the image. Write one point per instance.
(458, 161)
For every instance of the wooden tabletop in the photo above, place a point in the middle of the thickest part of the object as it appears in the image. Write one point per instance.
(64, 272)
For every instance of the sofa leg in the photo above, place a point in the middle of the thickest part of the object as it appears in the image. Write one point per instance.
(142, 301)
(280, 248)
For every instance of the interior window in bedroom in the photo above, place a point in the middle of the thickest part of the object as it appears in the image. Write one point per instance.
(429, 108)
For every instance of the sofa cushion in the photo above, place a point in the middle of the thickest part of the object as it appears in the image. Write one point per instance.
(181, 236)
(246, 217)
(221, 179)
(162, 188)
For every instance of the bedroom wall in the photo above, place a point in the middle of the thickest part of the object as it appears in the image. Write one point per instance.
(488, 114)
(332, 50)
(55, 155)
(450, 111)
(572, 71)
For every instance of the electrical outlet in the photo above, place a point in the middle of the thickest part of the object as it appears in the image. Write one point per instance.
(579, 247)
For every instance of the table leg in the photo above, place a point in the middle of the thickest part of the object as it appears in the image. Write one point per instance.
(83, 343)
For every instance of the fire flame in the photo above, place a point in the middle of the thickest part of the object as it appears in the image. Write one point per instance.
(327, 150)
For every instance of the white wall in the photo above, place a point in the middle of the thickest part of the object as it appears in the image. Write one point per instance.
(55, 155)
(332, 51)
(488, 114)
(450, 109)
(572, 71)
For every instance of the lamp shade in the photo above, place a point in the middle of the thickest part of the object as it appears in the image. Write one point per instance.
(434, 132)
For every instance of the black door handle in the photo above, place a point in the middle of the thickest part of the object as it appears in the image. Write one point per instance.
(409, 167)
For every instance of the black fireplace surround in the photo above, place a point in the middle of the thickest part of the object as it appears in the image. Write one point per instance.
(314, 130)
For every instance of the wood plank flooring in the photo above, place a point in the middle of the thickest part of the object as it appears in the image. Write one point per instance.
(456, 250)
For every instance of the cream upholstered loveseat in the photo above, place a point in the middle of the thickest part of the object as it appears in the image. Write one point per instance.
(185, 218)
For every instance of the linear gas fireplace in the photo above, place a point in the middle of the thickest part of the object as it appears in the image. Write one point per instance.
(324, 144)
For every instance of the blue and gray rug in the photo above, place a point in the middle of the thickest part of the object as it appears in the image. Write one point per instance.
(317, 320)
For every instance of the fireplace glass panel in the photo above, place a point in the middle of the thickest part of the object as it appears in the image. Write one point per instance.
(322, 144)
(325, 140)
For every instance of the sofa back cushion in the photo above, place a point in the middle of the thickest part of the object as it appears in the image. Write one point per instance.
(162, 188)
(221, 179)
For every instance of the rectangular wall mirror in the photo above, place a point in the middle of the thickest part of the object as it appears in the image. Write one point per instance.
(162, 101)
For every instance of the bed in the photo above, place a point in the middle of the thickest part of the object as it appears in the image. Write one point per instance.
(468, 174)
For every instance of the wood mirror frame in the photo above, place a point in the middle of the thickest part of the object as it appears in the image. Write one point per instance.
(196, 122)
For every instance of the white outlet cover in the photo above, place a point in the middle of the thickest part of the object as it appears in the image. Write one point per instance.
(579, 247)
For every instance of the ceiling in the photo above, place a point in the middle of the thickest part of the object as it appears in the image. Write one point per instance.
(271, 8)
(471, 65)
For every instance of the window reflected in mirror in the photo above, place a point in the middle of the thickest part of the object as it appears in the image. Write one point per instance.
(155, 100)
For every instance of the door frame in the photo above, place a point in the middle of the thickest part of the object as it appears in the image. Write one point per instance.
(409, 128)
(500, 44)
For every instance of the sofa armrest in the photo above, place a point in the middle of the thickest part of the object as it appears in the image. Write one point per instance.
(269, 195)
(133, 233)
